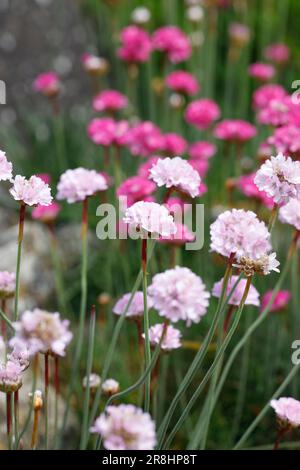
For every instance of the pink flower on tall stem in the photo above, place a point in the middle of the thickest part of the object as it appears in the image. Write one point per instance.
(47, 83)
(234, 130)
(109, 101)
(286, 139)
(46, 214)
(5, 167)
(94, 65)
(246, 185)
(202, 113)
(144, 139)
(202, 150)
(7, 284)
(276, 112)
(171, 339)
(287, 410)
(182, 82)
(174, 144)
(252, 297)
(290, 213)
(263, 95)
(136, 189)
(136, 45)
(278, 53)
(262, 72)
(279, 303)
(173, 42)
(150, 218)
(78, 184)
(136, 308)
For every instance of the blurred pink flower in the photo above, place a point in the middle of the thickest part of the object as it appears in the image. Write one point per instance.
(263, 95)
(276, 112)
(201, 166)
(174, 144)
(180, 237)
(247, 186)
(202, 150)
(121, 133)
(109, 101)
(278, 53)
(287, 410)
(290, 213)
(174, 42)
(46, 214)
(10, 376)
(47, 83)
(175, 205)
(261, 71)
(136, 45)
(7, 284)
(102, 131)
(125, 427)
(171, 340)
(46, 177)
(286, 139)
(135, 189)
(144, 168)
(239, 32)
(5, 167)
(183, 82)
(234, 130)
(252, 297)
(94, 65)
(32, 191)
(202, 113)
(136, 308)
(144, 139)
(178, 173)
(280, 301)
(76, 185)
(150, 217)
(178, 294)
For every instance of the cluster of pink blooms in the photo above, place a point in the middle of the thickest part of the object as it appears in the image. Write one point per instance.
(136, 188)
(136, 307)
(32, 191)
(202, 113)
(109, 101)
(236, 297)
(125, 427)
(11, 372)
(144, 139)
(171, 339)
(174, 144)
(278, 53)
(182, 82)
(287, 410)
(46, 214)
(5, 167)
(246, 185)
(180, 237)
(136, 45)
(173, 42)
(76, 185)
(261, 71)
(290, 213)
(280, 301)
(149, 217)
(202, 150)
(235, 130)
(47, 83)
(286, 139)
(266, 93)
(7, 284)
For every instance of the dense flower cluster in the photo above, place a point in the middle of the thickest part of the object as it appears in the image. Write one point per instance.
(76, 185)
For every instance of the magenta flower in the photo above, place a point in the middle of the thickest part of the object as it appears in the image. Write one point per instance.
(76, 185)
(286, 139)
(176, 173)
(202, 113)
(280, 301)
(5, 167)
(121, 133)
(201, 166)
(202, 150)
(44, 177)
(144, 139)
(150, 217)
(234, 130)
(276, 112)
(262, 72)
(180, 237)
(136, 45)
(47, 83)
(125, 427)
(287, 410)
(32, 191)
(290, 213)
(278, 53)
(246, 185)
(46, 214)
(183, 82)
(263, 95)
(174, 144)
(102, 131)
(173, 42)
(136, 189)
(279, 177)
(178, 294)
(252, 297)
(171, 340)
(7, 284)
(109, 101)
(175, 206)
(136, 308)
(144, 168)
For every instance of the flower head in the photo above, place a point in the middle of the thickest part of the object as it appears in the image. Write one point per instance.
(94, 381)
(94, 65)
(290, 213)
(183, 82)
(171, 339)
(144, 139)
(202, 113)
(287, 410)
(110, 387)
(262, 266)
(109, 100)
(278, 53)
(141, 15)
(125, 427)
(202, 150)
(286, 139)
(10, 376)
(5, 167)
(32, 191)
(102, 131)
(136, 307)
(174, 42)
(76, 185)
(178, 294)
(263, 95)
(261, 71)
(150, 217)
(280, 301)
(234, 130)
(136, 45)
(178, 173)
(46, 214)
(252, 297)
(7, 284)
(136, 189)
(174, 144)
(47, 83)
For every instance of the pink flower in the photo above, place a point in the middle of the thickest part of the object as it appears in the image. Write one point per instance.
(174, 144)
(7, 284)
(234, 130)
(10, 377)
(173, 42)
(136, 308)
(261, 71)
(136, 45)
(171, 340)
(240, 33)
(202, 150)
(20, 355)
(286, 139)
(180, 237)
(121, 133)
(178, 173)
(76, 185)
(263, 95)
(183, 82)
(144, 168)
(201, 166)
(290, 213)
(279, 177)
(42, 331)
(102, 131)
(94, 65)
(278, 53)
(109, 100)
(32, 191)
(125, 427)
(136, 189)
(280, 301)
(247, 186)
(47, 83)
(276, 112)
(44, 177)
(150, 217)
(5, 167)
(178, 294)
(145, 139)
(287, 410)
(235, 299)
(202, 113)
(46, 214)
(240, 233)
(175, 206)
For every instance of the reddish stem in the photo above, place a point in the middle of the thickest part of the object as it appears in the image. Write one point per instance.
(280, 435)
(21, 222)
(8, 417)
(85, 205)
(144, 254)
(56, 374)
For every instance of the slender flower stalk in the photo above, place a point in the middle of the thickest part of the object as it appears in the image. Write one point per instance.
(57, 392)
(3, 322)
(146, 324)
(281, 433)
(9, 420)
(19, 255)
(59, 284)
(16, 418)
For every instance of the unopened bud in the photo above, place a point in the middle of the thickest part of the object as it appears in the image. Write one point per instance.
(110, 387)
(37, 400)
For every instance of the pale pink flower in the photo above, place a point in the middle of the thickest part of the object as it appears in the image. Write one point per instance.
(10, 376)
(239, 33)
(235, 299)
(42, 331)
(180, 237)
(109, 101)
(261, 71)
(171, 340)
(183, 82)
(202, 150)
(76, 185)
(136, 308)
(32, 191)
(5, 167)
(150, 217)
(290, 213)
(177, 173)
(201, 166)
(240, 233)
(202, 113)
(278, 53)
(144, 139)
(263, 95)
(102, 131)
(247, 186)
(136, 189)
(174, 42)
(286, 139)
(47, 83)
(144, 168)
(7, 284)
(280, 301)
(287, 410)
(94, 381)
(234, 130)
(279, 177)
(178, 294)
(110, 387)
(94, 65)
(174, 144)
(136, 45)
(46, 214)
(125, 427)
(20, 355)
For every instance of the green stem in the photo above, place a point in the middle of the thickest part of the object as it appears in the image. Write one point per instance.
(59, 284)
(6, 320)
(19, 255)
